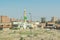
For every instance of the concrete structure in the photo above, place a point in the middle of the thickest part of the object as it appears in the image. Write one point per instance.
(57, 26)
(54, 19)
(12, 19)
(5, 25)
(25, 19)
(50, 25)
(5, 22)
(21, 25)
(43, 25)
(43, 20)
(4, 19)
(17, 24)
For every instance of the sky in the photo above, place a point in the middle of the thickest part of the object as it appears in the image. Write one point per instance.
(37, 8)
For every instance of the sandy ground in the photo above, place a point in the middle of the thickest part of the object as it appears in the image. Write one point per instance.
(34, 34)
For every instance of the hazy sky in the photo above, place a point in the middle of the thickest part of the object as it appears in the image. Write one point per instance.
(38, 8)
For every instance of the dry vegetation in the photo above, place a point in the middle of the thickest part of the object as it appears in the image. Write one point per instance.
(33, 34)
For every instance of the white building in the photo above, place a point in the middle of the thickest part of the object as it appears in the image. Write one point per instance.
(21, 25)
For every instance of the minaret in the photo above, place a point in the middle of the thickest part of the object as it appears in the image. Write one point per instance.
(25, 19)
(25, 16)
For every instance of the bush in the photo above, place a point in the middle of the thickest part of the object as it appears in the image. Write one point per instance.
(28, 35)
(14, 28)
(22, 38)
(35, 34)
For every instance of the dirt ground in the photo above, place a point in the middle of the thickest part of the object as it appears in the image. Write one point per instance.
(27, 34)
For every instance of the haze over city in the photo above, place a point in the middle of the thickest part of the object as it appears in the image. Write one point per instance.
(38, 8)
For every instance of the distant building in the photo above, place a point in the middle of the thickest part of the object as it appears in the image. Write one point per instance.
(43, 25)
(12, 19)
(54, 19)
(50, 24)
(4, 19)
(43, 20)
(5, 22)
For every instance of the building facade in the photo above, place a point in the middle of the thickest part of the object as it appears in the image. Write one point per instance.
(5, 22)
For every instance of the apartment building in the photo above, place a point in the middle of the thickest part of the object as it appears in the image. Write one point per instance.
(5, 22)
(4, 19)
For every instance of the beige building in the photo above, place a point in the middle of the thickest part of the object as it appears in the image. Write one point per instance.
(4, 19)
(5, 22)
(12, 19)
(6, 25)
(43, 25)
(54, 19)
